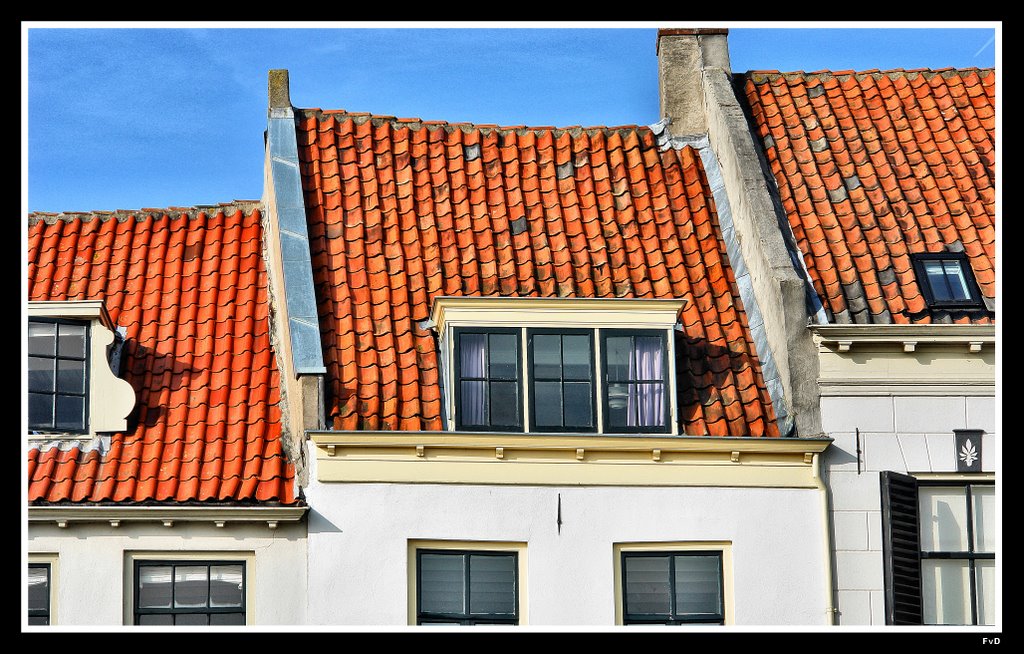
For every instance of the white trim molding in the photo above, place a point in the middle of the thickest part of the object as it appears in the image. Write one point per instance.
(64, 516)
(910, 338)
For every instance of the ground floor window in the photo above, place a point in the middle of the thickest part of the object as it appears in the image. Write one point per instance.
(939, 550)
(187, 592)
(467, 587)
(672, 587)
(39, 593)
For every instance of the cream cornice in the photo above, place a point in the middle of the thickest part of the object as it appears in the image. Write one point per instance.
(82, 309)
(62, 516)
(446, 306)
(546, 459)
(539, 442)
(843, 337)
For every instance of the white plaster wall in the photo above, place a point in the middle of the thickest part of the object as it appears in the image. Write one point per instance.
(906, 434)
(91, 569)
(358, 536)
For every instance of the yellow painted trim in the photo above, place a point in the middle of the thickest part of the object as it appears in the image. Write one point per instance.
(723, 546)
(537, 312)
(454, 458)
(450, 457)
(502, 546)
(128, 583)
(54, 560)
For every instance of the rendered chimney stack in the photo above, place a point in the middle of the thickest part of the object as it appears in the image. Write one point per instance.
(683, 56)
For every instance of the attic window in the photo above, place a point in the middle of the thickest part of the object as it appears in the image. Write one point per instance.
(58, 375)
(947, 281)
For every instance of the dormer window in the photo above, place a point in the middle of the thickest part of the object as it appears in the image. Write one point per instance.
(947, 281)
(73, 386)
(58, 375)
(527, 365)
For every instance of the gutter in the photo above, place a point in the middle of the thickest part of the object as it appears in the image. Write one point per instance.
(826, 530)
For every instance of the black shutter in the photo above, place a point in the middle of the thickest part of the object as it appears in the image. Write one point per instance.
(901, 549)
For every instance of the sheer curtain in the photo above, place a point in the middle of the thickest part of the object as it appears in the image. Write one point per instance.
(646, 402)
(473, 362)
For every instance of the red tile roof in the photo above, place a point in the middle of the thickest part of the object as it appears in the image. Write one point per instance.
(401, 212)
(192, 292)
(872, 167)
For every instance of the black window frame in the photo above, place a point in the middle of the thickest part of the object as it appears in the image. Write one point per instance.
(45, 612)
(458, 333)
(674, 618)
(138, 611)
(466, 617)
(975, 299)
(969, 555)
(533, 379)
(57, 357)
(666, 428)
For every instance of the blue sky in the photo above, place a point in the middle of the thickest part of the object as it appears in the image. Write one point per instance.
(125, 118)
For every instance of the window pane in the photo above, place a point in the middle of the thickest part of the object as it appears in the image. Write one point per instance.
(547, 356)
(618, 403)
(38, 620)
(578, 405)
(647, 585)
(648, 358)
(576, 356)
(42, 338)
(957, 281)
(697, 585)
(40, 411)
(492, 584)
(71, 376)
(442, 583)
(40, 374)
(984, 508)
(155, 587)
(504, 355)
(190, 619)
(227, 618)
(473, 403)
(985, 582)
(946, 591)
(71, 340)
(505, 404)
(225, 585)
(38, 588)
(70, 412)
(943, 519)
(472, 355)
(547, 404)
(937, 281)
(159, 619)
(617, 352)
(191, 586)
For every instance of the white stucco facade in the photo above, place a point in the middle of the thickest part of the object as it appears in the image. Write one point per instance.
(359, 554)
(91, 566)
(902, 404)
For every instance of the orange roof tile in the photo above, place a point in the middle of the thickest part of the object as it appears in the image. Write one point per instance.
(400, 214)
(896, 163)
(191, 290)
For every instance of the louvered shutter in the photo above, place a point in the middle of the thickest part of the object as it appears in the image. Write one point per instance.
(901, 549)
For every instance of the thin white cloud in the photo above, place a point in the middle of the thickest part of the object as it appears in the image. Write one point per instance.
(991, 40)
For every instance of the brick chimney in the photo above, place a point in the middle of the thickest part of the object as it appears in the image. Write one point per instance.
(683, 56)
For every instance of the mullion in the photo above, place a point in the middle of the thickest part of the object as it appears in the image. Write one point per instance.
(970, 548)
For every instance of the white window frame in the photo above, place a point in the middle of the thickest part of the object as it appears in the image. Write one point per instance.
(53, 560)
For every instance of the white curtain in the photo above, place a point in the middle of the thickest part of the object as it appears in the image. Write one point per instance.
(473, 363)
(646, 404)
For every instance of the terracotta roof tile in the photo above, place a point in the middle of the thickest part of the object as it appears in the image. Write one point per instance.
(906, 166)
(439, 209)
(191, 290)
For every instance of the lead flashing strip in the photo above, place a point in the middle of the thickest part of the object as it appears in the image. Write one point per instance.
(300, 299)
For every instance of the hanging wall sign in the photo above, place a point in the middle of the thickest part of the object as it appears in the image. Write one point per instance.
(968, 449)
